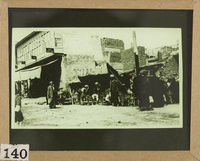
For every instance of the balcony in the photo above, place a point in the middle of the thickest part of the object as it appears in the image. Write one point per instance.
(39, 60)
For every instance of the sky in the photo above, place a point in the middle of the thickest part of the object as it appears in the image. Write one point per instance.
(150, 38)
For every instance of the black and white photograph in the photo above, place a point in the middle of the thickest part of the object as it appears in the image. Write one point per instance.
(96, 78)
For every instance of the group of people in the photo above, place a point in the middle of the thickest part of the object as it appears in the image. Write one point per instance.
(82, 96)
(152, 91)
(148, 91)
(94, 94)
(87, 96)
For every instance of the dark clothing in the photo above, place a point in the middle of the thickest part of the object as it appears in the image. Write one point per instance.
(18, 114)
(51, 95)
(18, 100)
(83, 93)
(114, 98)
(114, 89)
(79, 95)
(158, 100)
(50, 91)
(174, 88)
(157, 91)
(85, 97)
(17, 88)
(144, 102)
(96, 89)
(52, 103)
(142, 91)
(123, 93)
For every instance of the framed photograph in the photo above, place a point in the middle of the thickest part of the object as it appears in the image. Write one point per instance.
(101, 79)
(96, 78)
(68, 85)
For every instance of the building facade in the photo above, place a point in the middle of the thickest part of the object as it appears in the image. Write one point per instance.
(37, 47)
(63, 57)
(112, 49)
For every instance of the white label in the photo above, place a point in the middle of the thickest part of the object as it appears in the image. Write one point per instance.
(15, 152)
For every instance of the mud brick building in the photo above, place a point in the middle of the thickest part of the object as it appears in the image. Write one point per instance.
(166, 63)
(128, 58)
(111, 50)
(170, 68)
(65, 58)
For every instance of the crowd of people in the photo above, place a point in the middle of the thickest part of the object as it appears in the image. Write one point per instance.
(152, 91)
(146, 91)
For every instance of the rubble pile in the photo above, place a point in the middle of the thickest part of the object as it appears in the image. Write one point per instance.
(164, 52)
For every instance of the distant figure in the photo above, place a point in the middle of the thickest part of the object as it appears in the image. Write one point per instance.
(114, 90)
(123, 91)
(18, 113)
(108, 98)
(51, 95)
(61, 98)
(174, 88)
(79, 95)
(169, 92)
(84, 94)
(96, 96)
(141, 89)
(166, 92)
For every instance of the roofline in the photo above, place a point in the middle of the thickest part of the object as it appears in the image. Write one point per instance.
(27, 38)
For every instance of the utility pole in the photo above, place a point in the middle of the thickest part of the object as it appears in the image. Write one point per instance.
(135, 51)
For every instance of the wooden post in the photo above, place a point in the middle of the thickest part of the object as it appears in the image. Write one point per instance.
(137, 64)
(135, 51)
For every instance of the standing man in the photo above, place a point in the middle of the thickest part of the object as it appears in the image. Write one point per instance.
(123, 90)
(114, 90)
(51, 95)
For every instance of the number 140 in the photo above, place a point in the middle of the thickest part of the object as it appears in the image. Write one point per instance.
(21, 155)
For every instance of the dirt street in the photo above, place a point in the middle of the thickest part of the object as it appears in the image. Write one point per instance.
(38, 115)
